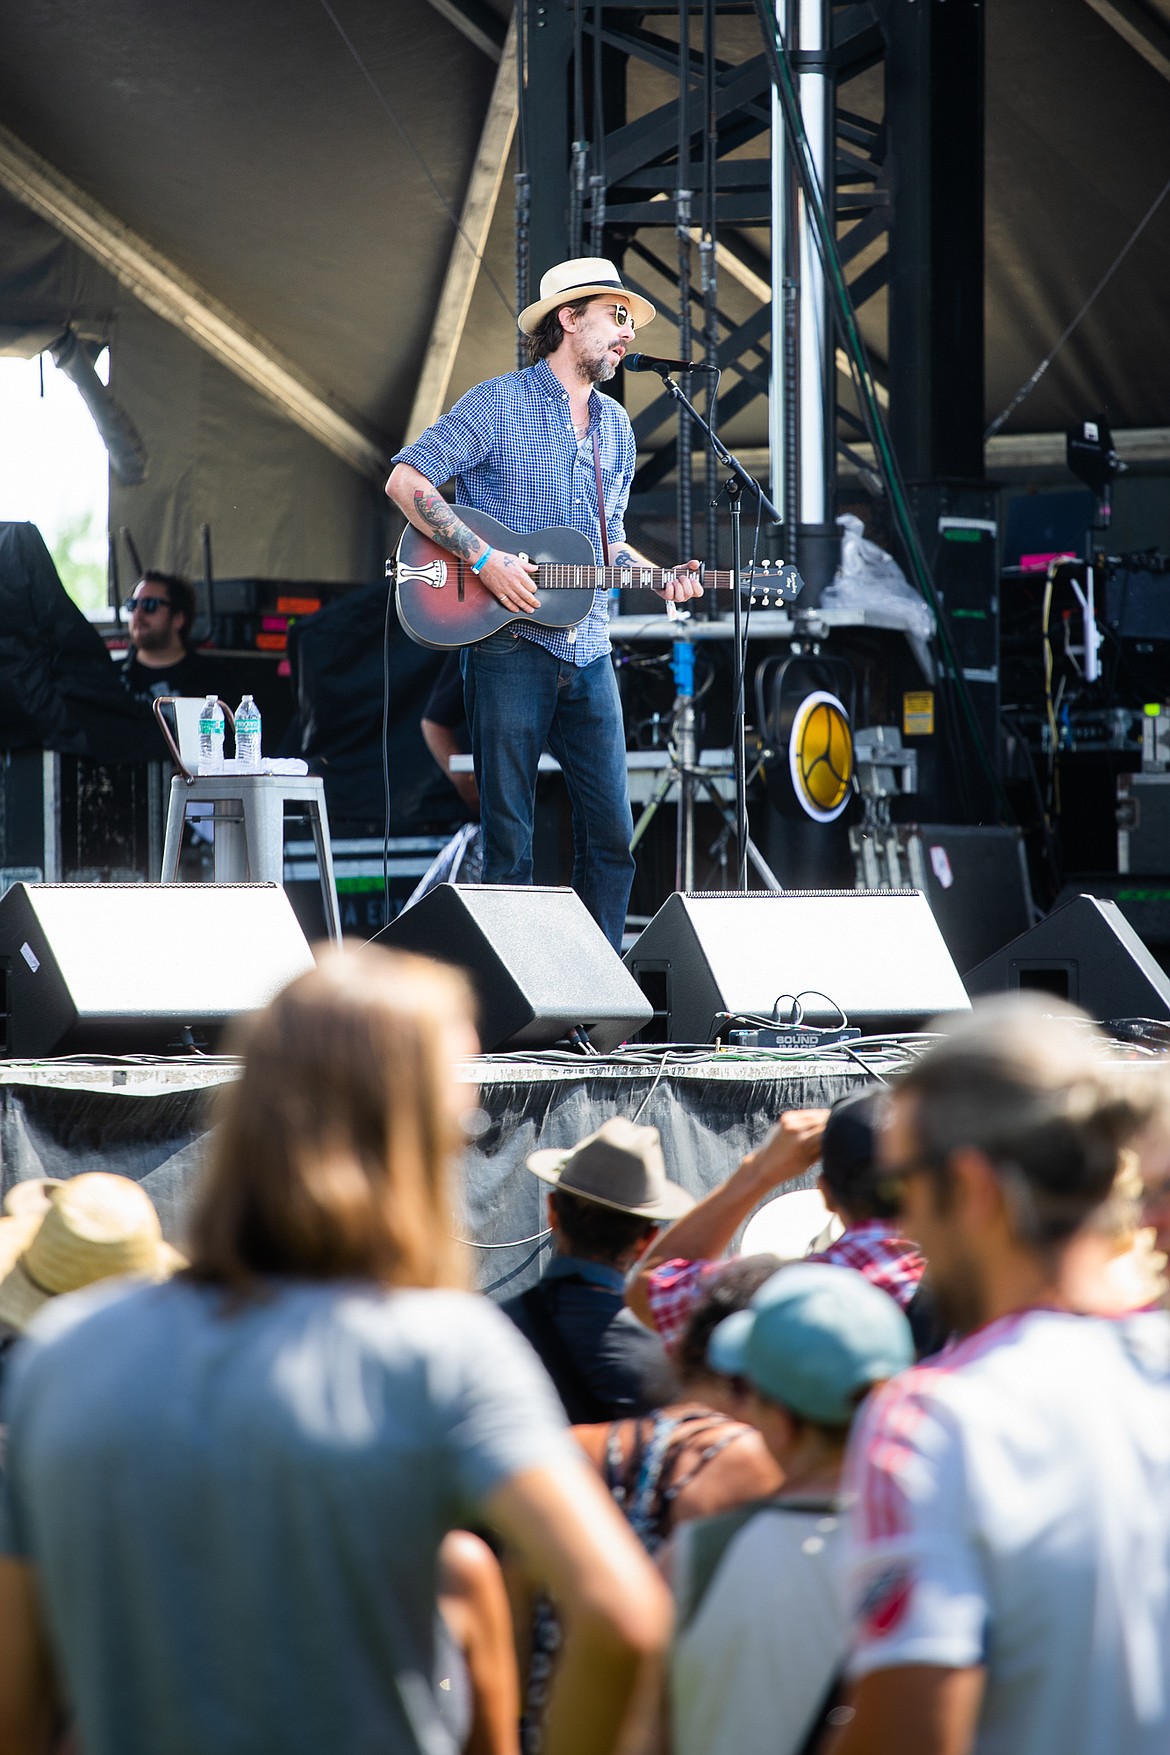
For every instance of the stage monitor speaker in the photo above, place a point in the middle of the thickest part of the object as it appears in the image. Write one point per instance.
(1087, 953)
(540, 964)
(875, 956)
(138, 968)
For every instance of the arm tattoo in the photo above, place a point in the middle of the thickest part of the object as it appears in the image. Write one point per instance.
(626, 557)
(450, 532)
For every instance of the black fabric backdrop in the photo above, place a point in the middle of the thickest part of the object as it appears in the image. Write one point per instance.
(250, 146)
(58, 687)
(341, 660)
(157, 1133)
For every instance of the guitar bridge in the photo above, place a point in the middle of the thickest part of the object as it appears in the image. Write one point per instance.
(433, 574)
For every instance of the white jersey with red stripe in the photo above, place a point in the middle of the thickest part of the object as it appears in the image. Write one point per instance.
(1011, 1509)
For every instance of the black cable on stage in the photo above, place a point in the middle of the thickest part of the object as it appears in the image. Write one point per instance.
(598, 180)
(386, 757)
(579, 147)
(513, 1273)
(709, 269)
(655, 1082)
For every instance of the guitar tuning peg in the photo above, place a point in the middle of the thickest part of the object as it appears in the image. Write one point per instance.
(765, 565)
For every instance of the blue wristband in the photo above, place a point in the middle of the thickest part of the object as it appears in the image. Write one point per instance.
(478, 566)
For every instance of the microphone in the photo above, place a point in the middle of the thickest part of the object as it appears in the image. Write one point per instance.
(644, 362)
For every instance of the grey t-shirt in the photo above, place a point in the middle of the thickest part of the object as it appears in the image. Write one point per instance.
(235, 1515)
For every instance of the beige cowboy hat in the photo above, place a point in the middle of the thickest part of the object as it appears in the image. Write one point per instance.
(621, 1166)
(580, 279)
(95, 1227)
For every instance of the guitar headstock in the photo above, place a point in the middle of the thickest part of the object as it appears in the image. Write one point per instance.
(768, 584)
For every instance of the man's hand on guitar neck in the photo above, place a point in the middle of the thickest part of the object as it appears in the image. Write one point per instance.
(686, 583)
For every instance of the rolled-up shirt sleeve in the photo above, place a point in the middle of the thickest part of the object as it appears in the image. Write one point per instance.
(458, 442)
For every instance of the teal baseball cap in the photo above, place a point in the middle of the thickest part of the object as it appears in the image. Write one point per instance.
(812, 1338)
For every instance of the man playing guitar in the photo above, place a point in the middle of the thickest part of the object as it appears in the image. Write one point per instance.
(531, 448)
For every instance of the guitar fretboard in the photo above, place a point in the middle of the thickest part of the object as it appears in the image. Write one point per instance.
(556, 576)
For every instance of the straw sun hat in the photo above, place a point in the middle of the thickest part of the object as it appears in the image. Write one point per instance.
(95, 1227)
(30, 1196)
(580, 279)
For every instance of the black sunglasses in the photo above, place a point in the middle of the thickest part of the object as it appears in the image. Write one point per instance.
(891, 1180)
(147, 604)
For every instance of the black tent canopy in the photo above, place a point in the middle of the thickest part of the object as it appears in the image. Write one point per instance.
(299, 166)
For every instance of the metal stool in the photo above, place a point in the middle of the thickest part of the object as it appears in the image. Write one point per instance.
(248, 818)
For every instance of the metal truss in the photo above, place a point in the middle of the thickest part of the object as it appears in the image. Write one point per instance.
(648, 137)
(672, 185)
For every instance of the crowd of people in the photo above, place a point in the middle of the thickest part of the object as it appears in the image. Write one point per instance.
(302, 1489)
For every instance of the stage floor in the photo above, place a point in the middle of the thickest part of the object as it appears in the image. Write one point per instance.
(150, 1119)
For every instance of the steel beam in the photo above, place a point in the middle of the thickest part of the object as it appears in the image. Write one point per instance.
(478, 23)
(479, 206)
(173, 295)
(549, 42)
(936, 347)
(1142, 32)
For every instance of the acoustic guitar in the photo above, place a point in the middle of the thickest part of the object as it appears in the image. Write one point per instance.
(443, 605)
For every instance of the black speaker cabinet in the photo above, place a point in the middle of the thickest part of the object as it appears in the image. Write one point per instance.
(875, 956)
(540, 964)
(1085, 952)
(128, 968)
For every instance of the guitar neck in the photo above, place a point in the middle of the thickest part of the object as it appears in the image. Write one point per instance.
(557, 576)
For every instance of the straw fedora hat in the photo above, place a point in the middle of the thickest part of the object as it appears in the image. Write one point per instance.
(619, 1166)
(30, 1196)
(96, 1227)
(579, 279)
(16, 1231)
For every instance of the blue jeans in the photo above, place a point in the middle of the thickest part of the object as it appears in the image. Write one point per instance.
(520, 698)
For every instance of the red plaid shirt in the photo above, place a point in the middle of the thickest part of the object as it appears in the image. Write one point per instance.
(872, 1248)
(673, 1289)
(875, 1250)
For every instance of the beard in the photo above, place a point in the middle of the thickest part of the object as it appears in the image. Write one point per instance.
(958, 1296)
(155, 639)
(598, 371)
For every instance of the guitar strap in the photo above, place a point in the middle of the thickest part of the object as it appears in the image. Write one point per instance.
(600, 500)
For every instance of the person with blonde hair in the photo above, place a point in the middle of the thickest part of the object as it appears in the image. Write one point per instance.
(225, 1495)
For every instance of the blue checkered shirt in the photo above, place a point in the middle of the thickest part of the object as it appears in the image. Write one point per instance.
(510, 448)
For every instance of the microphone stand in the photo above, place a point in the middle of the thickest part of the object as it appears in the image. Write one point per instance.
(738, 479)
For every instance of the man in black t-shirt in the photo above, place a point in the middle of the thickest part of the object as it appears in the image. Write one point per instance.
(610, 1194)
(445, 729)
(161, 611)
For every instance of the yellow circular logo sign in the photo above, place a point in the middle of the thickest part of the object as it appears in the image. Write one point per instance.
(820, 756)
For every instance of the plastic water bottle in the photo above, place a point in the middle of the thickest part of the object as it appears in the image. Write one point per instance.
(248, 734)
(211, 736)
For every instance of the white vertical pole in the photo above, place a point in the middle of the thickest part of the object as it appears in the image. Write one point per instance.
(779, 461)
(814, 328)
